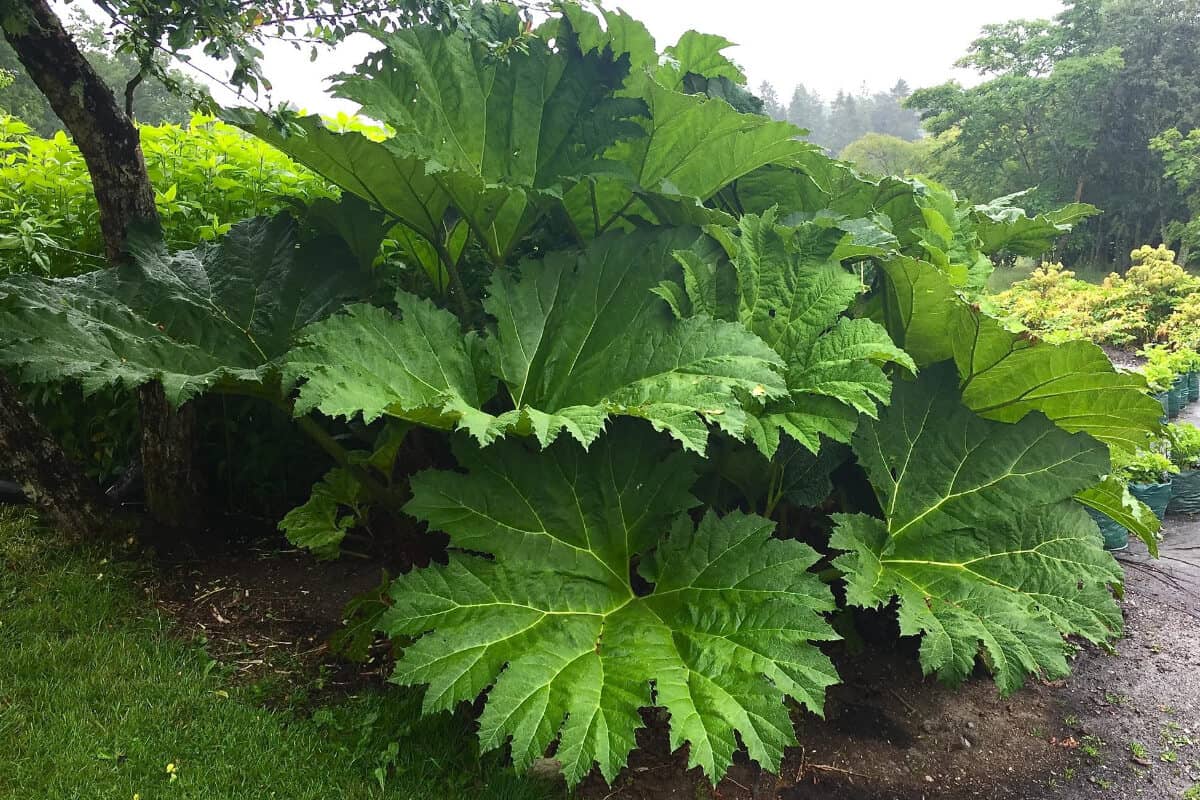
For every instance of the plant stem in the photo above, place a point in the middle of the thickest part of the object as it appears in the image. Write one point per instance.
(378, 490)
(774, 487)
(456, 281)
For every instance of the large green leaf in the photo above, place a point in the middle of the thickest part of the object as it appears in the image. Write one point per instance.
(980, 540)
(949, 239)
(701, 54)
(497, 140)
(321, 523)
(419, 367)
(1073, 383)
(585, 335)
(695, 55)
(1003, 227)
(223, 313)
(570, 649)
(692, 148)
(533, 118)
(579, 337)
(613, 31)
(1005, 374)
(362, 166)
(1112, 498)
(787, 285)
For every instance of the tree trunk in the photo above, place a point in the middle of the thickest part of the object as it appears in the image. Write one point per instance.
(106, 137)
(1098, 241)
(168, 437)
(109, 142)
(55, 486)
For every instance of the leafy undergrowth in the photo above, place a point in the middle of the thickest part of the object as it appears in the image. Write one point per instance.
(99, 699)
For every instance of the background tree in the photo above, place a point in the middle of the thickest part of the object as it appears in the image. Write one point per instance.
(884, 154)
(848, 120)
(772, 106)
(154, 102)
(109, 142)
(1023, 130)
(1181, 160)
(889, 116)
(1070, 106)
(807, 110)
(850, 116)
(234, 32)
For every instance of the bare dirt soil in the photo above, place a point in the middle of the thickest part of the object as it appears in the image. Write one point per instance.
(1125, 724)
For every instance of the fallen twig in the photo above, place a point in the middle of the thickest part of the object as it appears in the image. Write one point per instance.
(904, 702)
(831, 768)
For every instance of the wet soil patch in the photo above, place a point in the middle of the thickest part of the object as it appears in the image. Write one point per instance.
(1125, 724)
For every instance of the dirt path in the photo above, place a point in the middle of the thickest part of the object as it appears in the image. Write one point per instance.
(1149, 693)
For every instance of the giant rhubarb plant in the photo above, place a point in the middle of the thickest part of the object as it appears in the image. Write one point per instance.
(616, 262)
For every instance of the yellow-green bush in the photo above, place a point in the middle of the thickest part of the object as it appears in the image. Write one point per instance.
(206, 176)
(1183, 325)
(1156, 300)
(1154, 271)
(1058, 306)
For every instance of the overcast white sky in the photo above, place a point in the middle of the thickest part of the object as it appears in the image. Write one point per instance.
(826, 45)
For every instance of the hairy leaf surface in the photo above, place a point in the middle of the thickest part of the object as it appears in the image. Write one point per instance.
(579, 337)
(570, 650)
(419, 367)
(980, 541)
(787, 285)
(497, 140)
(582, 333)
(692, 147)
(220, 313)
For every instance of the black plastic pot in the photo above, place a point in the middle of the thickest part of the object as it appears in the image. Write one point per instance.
(12, 493)
(1176, 399)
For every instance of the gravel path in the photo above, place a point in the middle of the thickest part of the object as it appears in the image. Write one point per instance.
(1141, 707)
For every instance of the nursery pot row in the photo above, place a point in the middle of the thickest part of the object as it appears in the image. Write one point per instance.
(1177, 397)
(1185, 390)
(1179, 495)
(1157, 496)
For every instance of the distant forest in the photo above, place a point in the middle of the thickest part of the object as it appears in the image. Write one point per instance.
(847, 117)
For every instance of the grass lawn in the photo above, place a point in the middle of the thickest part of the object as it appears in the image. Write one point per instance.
(98, 698)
